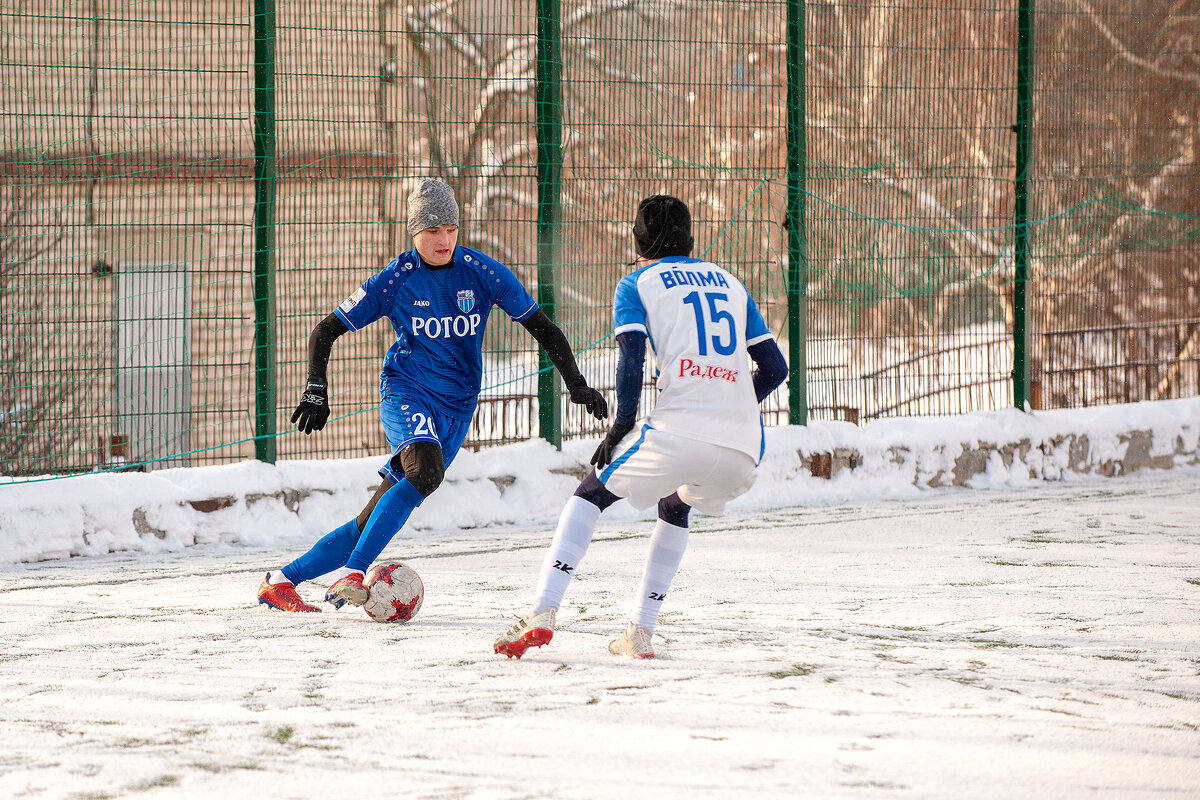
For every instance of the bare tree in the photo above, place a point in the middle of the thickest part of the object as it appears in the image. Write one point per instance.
(1125, 271)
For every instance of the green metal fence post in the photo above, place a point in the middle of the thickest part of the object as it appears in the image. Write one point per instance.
(265, 389)
(1020, 373)
(548, 101)
(797, 246)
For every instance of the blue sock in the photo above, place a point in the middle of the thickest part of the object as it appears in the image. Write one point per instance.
(329, 553)
(390, 514)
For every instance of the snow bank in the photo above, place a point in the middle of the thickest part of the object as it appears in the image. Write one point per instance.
(258, 504)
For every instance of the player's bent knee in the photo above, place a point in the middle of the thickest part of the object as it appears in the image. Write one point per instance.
(422, 465)
(426, 479)
(672, 510)
(595, 492)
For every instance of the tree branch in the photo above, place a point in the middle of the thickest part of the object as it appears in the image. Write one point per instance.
(1125, 53)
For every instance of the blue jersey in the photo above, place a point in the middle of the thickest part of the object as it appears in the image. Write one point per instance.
(439, 316)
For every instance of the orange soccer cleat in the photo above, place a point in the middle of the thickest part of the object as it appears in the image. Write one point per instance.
(347, 589)
(282, 596)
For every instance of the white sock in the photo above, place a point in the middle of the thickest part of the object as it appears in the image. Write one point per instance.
(576, 525)
(667, 544)
(277, 577)
(343, 572)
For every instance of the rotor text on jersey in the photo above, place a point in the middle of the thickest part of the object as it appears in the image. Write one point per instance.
(445, 327)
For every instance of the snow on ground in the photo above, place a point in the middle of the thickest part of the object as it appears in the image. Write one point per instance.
(858, 637)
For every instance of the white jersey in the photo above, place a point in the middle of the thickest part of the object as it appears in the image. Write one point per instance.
(699, 320)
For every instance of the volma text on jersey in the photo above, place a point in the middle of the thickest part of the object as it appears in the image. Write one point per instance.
(687, 277)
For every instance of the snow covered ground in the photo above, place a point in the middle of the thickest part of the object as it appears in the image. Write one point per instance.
(859, 637)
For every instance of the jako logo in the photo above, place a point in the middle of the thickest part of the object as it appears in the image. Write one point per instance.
(421, 303)
(445, 327)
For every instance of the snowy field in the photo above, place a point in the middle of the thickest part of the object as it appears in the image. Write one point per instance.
(1015, 639)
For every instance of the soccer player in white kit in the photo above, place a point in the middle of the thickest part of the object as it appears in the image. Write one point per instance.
(700, 445)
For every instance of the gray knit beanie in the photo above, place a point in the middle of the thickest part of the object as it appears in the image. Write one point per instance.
(431, 203)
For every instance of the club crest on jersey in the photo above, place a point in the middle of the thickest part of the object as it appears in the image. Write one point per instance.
(466, 300)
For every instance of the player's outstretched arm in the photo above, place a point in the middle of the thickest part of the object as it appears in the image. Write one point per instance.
(554, 342)
(771, 367)
(313, 411)
(631, 361)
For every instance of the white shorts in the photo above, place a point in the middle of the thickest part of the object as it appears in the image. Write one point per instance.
(648, 465)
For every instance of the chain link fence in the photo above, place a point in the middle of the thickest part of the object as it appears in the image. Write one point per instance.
(985, 199)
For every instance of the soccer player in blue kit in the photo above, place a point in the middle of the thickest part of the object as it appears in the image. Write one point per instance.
(438, 297)
(701, 444)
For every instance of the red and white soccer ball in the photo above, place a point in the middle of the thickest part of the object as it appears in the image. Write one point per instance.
(395, 593)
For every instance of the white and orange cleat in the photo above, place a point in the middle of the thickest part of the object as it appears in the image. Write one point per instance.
(282, 596)
(634, 642)
(533, 630)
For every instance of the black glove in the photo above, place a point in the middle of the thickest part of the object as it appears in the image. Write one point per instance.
(313, 410)
(603, 455)
(590, 399)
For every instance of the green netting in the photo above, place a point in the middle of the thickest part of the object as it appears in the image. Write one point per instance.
(125, 220)
(910, 148)
(132, 203)
(1114, 162)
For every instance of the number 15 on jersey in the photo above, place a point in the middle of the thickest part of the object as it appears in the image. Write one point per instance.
(711, 315)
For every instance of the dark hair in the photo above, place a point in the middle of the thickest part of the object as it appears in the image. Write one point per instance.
(663, 227)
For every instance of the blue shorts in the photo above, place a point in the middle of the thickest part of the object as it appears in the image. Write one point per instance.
(408, 419)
